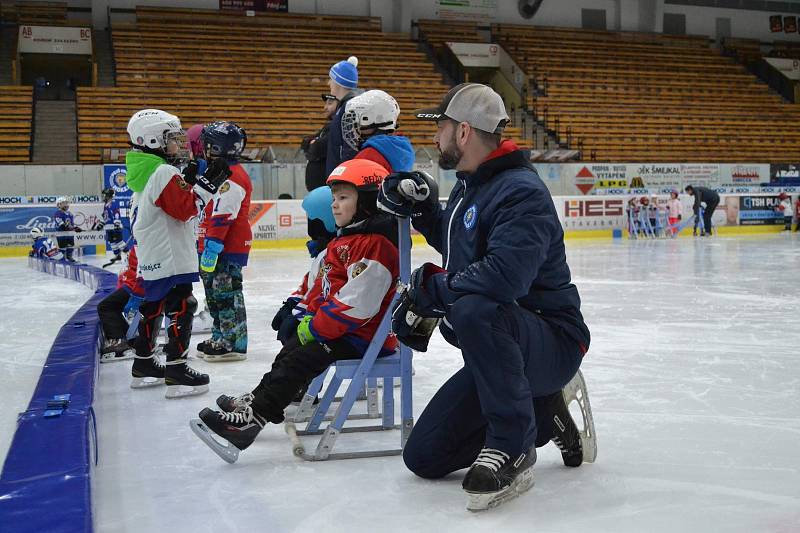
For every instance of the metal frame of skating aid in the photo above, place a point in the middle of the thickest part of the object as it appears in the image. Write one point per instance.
(363, 374)
(227, 451)
(575, 391)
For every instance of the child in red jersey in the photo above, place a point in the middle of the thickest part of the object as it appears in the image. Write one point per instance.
(224, 240)
(340, 313)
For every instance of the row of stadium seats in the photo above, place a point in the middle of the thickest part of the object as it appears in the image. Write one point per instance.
(15, 123)
(266, 72)
(643, 97)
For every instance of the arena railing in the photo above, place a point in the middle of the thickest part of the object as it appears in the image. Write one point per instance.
(45, 483)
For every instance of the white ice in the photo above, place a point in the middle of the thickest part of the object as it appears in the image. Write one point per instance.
(693, 376)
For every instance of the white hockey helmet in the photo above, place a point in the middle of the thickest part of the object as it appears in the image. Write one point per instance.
(154, 130)
(36, 233)
(373, 109)
(62, 202)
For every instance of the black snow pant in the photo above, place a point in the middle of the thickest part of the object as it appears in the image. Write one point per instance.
(294, 367)
(179, 305)
(707, 216)
(110, 311)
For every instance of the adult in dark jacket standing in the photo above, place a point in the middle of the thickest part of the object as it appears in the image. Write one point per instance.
(315, 147)
(703, 195)
(506, 300)
(343, 83)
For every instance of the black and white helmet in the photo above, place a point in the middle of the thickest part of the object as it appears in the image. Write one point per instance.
(371, 110)
(36, 233)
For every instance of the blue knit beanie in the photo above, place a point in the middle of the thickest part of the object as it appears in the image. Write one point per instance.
(345, 73)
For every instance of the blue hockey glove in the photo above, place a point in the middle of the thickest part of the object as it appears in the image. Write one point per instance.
(132, 307)
(208, 261)
(407, 194)
(304, 330)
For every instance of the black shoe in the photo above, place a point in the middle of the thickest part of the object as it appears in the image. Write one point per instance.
(496, 477)
(240, 428)
(565, 432)
(146, 372)
(219, 350)
(204, 345)
(230, 404)
(182, 380)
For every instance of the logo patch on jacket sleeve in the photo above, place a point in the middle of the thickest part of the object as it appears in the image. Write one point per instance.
(471, 216)
(225, 187)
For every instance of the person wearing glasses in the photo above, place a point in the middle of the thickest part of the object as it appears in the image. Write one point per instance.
(343, 84)
(315, 147)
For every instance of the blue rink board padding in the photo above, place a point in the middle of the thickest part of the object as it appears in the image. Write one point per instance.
(45, 484)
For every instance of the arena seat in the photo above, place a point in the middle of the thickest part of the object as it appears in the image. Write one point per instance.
(626, 96)
(266, 72)
(16, 104)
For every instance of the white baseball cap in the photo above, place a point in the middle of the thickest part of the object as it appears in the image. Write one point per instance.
(473, 103)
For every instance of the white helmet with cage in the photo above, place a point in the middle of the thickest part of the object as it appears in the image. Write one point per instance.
(36, 233)
(373, 109)
(155, 130)
(62, 202)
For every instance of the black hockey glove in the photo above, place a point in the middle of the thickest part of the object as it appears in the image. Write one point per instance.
(98, 225)
(283, 312)
(420, 307)
(410, 328)
(408, 194)
(215, 175)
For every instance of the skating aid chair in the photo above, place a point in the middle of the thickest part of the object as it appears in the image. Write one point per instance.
(360, 372)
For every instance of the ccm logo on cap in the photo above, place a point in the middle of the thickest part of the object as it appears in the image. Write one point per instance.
(429, 115)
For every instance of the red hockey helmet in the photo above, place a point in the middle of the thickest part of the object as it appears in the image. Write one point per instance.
(366, 175)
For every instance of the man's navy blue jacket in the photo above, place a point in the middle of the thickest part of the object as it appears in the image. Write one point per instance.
(500, 237)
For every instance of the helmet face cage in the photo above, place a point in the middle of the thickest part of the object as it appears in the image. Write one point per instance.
(374, 109)
(175, 146)
(36, 233)
(351, 132)
(62, 203)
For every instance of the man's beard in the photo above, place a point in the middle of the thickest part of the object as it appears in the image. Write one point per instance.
(449, 159)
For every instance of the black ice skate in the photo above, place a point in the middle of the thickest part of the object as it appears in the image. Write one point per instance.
(565, 429)
(231, 404)
(238, 429)
(116, 350)
(203, 346)
(183, 380)
(146, 372)
(219, 351)
(495, 478)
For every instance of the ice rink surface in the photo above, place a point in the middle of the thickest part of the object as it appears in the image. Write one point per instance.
(693, 376)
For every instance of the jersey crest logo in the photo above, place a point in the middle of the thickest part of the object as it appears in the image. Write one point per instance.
(357, 269)
(471, 216)
(225, 187)
(344, 253)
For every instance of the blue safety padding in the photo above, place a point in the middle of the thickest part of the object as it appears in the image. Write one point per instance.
(45, 484)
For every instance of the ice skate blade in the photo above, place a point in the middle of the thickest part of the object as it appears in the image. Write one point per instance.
(478, 501)
(225, 358)
(110, 357)
(183, 391)
(227, 452)
(575, 391)
(146, 382)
